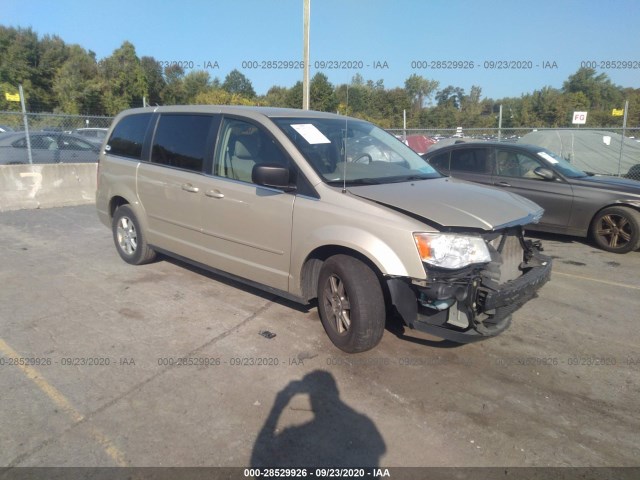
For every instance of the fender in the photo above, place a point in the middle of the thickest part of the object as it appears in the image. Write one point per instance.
(379, 252)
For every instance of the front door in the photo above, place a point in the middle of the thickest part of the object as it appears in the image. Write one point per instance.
(246, 227)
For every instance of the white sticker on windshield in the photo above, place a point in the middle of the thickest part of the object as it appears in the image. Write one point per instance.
(548, 157)
(310, 133)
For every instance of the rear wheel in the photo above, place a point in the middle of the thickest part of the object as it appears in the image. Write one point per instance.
(351, 304)
(129, 238)
(617, 229)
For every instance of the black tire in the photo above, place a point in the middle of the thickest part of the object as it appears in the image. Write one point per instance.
(617, 229)
(129, 238)
(351, 304)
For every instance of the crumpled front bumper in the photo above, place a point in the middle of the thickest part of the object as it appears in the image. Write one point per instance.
(516, 292)
(470, 305)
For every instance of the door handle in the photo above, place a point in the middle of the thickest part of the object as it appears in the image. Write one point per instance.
(187, 187)
(214, 194)
(503, 184)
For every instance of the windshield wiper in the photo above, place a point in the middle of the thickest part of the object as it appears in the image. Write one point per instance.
(356, 181)
(409, 178)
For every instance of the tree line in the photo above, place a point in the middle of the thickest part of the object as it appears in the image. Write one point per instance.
(69, 79)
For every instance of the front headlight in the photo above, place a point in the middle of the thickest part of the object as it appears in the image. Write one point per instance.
(451, 250)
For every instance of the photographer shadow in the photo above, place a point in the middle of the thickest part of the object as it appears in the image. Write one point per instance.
(336, 437)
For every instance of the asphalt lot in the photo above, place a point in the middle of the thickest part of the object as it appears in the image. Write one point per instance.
(91, 371)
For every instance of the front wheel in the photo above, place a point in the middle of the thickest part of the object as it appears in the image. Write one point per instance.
(351, 304)
(129, 238)
(617, 229)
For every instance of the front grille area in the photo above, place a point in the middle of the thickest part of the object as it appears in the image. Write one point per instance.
(510, 256)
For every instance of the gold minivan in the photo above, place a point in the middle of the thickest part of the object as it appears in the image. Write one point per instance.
(318, 206)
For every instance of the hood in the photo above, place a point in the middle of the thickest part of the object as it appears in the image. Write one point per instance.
(623, 185)
(449, 202)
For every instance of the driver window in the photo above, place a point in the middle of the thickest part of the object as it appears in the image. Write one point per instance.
(528, 166)
(243, 146)
(512, 164)
(507, 164)
(68, 143)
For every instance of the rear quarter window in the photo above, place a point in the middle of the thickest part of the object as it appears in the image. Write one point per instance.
(128, 136)
(440, 162)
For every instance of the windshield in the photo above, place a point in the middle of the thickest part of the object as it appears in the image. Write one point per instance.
(361, 153)
(560, 164)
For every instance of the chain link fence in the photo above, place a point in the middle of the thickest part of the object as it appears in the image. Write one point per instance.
(55, 138)
(504, 134)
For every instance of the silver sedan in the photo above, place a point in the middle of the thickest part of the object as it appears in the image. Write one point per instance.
(46, 147)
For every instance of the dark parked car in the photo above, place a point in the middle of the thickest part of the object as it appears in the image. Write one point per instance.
(575, 203)
(46, 147)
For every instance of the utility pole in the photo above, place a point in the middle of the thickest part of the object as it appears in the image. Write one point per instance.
(305, 35)
(26, 124)
(624, 128)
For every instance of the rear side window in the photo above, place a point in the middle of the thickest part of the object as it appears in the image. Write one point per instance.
(128, 136)
(183, 141)
(472, 160)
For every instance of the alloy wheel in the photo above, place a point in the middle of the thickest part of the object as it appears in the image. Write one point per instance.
(127, 236)
(614, 230)
(337, 304)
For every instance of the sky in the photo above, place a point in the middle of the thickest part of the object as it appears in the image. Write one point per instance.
(507, 47)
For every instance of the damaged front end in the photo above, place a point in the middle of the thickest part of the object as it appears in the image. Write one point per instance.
(476, 301)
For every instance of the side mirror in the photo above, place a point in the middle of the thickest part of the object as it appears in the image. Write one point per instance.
(544, 173)
(272, 175)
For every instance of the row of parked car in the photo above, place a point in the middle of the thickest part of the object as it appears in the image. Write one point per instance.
(81, 145)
